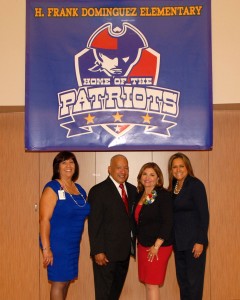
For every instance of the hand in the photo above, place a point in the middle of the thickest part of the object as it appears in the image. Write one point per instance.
(152, 252)
(47, 257)
(197, 250)
(101, 259)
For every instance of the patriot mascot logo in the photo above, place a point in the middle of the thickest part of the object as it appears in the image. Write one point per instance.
(117, 75)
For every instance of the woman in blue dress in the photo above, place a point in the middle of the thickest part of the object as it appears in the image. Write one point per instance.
(63, 210)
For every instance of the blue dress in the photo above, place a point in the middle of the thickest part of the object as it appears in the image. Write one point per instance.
(67, 224)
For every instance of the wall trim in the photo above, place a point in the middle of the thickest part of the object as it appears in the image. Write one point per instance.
(9, 109)
(228, 106)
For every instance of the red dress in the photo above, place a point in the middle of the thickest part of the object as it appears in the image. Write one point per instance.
(151, 272)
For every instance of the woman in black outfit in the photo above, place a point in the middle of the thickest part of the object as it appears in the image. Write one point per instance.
(190, 226)
(153, 215)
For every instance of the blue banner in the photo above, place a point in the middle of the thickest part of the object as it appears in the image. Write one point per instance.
(118, 75)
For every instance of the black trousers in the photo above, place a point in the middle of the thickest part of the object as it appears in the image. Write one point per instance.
(190, 274)
(109, 279)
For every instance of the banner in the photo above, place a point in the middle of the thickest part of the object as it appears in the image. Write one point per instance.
(118, 75)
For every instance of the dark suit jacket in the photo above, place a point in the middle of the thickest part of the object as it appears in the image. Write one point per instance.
(191, 216)
(109, 224)
(156, 220)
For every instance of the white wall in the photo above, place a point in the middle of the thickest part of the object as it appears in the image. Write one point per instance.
(225, 49)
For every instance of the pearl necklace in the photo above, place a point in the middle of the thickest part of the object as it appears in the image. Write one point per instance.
(177, 189)
(65, 188)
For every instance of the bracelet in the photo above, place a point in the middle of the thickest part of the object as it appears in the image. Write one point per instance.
(44, 249)
(157, 247)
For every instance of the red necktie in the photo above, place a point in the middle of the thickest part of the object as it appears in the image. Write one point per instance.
(124, 196)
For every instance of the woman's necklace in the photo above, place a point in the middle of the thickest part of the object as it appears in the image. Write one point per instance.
(65, 188)
(177, 188)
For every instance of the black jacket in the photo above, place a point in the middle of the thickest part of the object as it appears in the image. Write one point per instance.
(156, 219)
(109, 225)
(191, 216)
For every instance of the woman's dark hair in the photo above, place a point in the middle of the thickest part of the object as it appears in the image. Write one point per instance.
(62, 156)
(158, 171)
(187, 163)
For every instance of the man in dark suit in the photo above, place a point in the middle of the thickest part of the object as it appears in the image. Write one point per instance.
(111, 230)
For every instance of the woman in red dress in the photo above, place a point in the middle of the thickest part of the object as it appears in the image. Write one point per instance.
(153, 215)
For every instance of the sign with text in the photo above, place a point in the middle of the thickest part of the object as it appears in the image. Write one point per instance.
(118, 75)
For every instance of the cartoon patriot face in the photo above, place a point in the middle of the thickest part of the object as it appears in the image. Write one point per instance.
(116, 50)
(114, 62)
